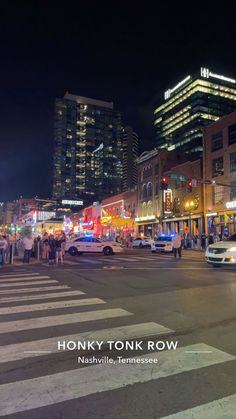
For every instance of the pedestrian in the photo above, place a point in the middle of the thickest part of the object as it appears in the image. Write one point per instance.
(52, 249)
(6, 251)
(45, 247)
(177, 245)
(58, 248)
(203, 241)
(211, 238)
(28, 245)
(3, 248)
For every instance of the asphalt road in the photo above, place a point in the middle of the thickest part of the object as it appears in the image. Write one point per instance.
(161, 333)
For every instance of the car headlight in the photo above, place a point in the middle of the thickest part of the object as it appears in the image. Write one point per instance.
(232, 249)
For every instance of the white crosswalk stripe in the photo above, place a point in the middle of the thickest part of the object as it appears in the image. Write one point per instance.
(49, 321)
(41, 296)
(50, 305)
(218, 409)
(6, 276)
(35, 282)
(36, 348)
(26, 290)
(47, 390)
(91, 260)
(28, 278)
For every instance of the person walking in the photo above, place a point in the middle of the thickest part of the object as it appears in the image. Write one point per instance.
(177, 245)
(3, 247)
(28, 245)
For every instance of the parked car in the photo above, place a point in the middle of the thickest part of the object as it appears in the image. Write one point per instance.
(223, 252)
(162, 244)
(90, 244)
(142, 242)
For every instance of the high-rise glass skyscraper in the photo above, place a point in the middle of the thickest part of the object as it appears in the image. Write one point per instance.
(130, 155)
(194, 102)
(87, 148)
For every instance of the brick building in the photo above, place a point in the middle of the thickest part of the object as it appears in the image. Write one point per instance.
(220, 170)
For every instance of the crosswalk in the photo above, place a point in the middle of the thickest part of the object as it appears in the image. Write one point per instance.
(92, 260)
(32, 310)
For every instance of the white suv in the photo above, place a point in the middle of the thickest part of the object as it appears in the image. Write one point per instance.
(223, 252)
(92, 245)
(142, 242)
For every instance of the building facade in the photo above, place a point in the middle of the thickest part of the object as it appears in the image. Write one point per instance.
(189, 106)
(220, 173)
(183, 205)
(118, 215)
(130, 155)
(151, 167)
(88, 149)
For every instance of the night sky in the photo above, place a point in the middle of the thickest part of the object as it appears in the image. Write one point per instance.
(128, 54)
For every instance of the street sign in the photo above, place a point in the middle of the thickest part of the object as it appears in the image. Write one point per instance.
(177, 177)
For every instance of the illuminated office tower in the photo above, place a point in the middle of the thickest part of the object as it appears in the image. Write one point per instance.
(87, 148)
(130, 155)
(193, 103)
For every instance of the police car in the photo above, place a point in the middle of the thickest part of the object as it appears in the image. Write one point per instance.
(162, 244)
(223, 252)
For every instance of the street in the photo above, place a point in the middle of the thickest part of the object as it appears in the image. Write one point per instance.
(178, 312)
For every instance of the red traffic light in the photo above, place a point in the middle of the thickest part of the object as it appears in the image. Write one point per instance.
(190, 183)
(164, 179)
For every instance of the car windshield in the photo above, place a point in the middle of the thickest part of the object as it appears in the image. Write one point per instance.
(164, 238)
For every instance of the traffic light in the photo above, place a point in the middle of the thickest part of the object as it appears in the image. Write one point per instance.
(164, 183)
(190, 185)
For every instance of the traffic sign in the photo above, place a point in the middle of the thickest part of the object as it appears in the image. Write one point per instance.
(177, 177)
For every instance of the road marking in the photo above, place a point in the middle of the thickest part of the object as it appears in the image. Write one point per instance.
(70, 262)
(39, 322)
(18, 275)
(87, 260)
(26, 290)
(125, 259)
(41, 296)
(48, 390)
(28, 278)
(22, 350)
(218, 409)
(36, 282)
(51, 305)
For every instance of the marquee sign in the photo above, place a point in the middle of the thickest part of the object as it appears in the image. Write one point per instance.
(168, 200)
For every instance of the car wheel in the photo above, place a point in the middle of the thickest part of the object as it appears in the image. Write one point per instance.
(73, 251)
(108, 251)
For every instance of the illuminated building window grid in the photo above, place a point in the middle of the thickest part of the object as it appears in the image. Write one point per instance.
(191, 118)
(197, 85)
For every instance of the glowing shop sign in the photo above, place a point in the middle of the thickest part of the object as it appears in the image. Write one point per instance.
(230, 204)
(71, 202)
(206, 73)
(167, 198)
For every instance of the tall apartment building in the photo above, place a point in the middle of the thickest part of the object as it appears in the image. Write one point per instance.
(190, 105)
(87, 148)
(130, 155)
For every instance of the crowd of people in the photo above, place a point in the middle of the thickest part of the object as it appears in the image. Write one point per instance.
(48, 248)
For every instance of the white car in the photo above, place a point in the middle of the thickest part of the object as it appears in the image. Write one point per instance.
(162, 244)
(223, 252)
(92, 245)
(142, 242)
